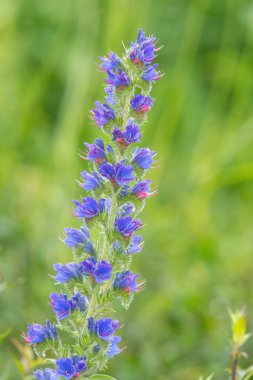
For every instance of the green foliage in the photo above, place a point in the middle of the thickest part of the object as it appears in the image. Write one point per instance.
(198, 239)
(239, 328)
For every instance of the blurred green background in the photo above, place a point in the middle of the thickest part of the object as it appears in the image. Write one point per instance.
(198, 249)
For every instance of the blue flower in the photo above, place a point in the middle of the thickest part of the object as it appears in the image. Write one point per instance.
(119, 80)
(78, 302)
(144, 48)
(76, 238)
(126, 209)
(67, 272)
(150, 73)
(88, 265)
(80, 364)
(121, 174)
(142, 189)
(103, 271)
(38, 333)
(107, 171)
(104, 328)
(104, 205)
(96, 151)
(65, 368)
(47, 374)
(132, 132)
(126, 281)
(89, 208)
(100, 271)
(126, 225)
(110, 63)
(143, 157)
(103, 114)
(135, 245)
(113, 348)
(141, 103)
(110, 92)
(62, 306)
(91, 181)
(71, 367)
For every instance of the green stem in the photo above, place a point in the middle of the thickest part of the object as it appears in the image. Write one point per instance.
(92, 304)
(235, 356)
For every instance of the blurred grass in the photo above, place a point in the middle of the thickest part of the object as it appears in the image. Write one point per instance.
(198, 252)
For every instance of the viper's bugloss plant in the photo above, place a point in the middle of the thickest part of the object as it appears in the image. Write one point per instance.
(84, 336)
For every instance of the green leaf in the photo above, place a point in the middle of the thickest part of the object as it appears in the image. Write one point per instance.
(101, 377)
(239, 327)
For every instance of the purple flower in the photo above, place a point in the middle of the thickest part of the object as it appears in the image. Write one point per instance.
(100, 271)
(150, 73)
(142, 189)
(107, 171)
(141, 104)
(103, 271)
(38, 334)
(78, 302)
(62, 306)
(120, 173)
(88, 265)
(126, 281)
(89, 208)
(110, 63)
(119, 80)
(126, 225)
(67, 272)
(102, 114)
(110, 92)
(132, 133)
(79, 363)
(135, 245)
(143, 157)
(118, 135)
(71, 367)
(104, 205)
(65, 368)
(104, 328)
(144, 48)
(113, 348)
(77, 238)
(91, 181)
(96, 151)
(124, 174)
(126, 209)
(47, 374)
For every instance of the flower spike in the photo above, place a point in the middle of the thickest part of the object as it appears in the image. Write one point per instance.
(114, 192)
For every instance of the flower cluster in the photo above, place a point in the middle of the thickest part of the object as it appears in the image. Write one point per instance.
(108, 215)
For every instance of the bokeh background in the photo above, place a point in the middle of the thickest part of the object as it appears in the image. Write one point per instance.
(198, 255)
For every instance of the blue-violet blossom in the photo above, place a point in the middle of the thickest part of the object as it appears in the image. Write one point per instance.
(114, 178)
